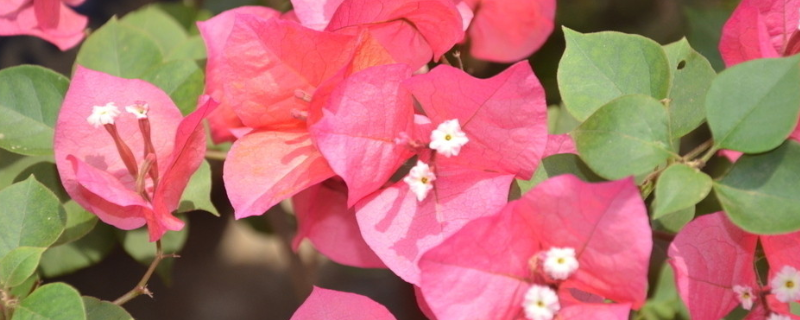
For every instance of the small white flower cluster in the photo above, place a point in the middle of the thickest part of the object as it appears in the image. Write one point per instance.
(103, 115)
(786, 284)
(745, 296)
(560, 263)
(448, 138)
(540, 303)
(139, 109)
(420, 180)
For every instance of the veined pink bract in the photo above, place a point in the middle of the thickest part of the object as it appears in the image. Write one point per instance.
(96, 174)
(50, 20)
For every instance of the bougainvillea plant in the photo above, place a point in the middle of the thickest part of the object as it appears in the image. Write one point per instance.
(415, 137)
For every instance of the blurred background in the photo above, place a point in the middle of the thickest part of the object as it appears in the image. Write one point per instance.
(242, 269)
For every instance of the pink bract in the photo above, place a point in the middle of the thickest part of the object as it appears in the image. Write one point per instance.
(50, 20)
(324, 218)
(360, 120)
(413, 31)
(761, 29)
(490, 259)
(711, 255)
(505, 117)
(336, 305)
(91, 168)
(215, 33)
(400, 229)
(269, 87)
(509, 30)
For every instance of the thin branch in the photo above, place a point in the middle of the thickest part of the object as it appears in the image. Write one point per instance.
(141, 287)
(216, 155)
(698, 150)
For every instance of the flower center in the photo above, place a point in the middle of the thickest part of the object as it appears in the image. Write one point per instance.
(448, 138)
(560, 263)
(420, 179)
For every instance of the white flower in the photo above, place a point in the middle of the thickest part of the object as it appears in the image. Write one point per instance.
(139, 109)
(560, 263)
(786, 284)
(420, 180)
(745, 296)
(102, 115)
(540, 303)
(775, 316)
(448, 138)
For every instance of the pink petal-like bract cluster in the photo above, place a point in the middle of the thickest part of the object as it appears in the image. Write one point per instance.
(504, 119)
(761, 29)
(711, 255)
(223, 122)
(324, 218)
(495, 260)
(509, 30)
(337, 305)
(51, 20)
(94, 172)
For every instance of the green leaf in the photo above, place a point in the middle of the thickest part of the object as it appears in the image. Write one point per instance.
(627, 136)
(26, 288)
(55, 301)
(30, 97)
(136, 243)
(794, 308)
(119, 50)
(84, 252)
(197, 195)
(760, 193)
(18, 265)
(679, 187)
(753, 106)
(104, 310)
(556, 165)
(11, 164)
(705, 28)
(559, 121)
(674, 221)
(79, 223)
(186, 16)
(182, 80)
(47, 174)
(159, 25)
(193, 48)
(30, 215)
(691, 77)
(599, 67)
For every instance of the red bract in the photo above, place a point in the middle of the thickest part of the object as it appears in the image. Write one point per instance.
(223, 122)
(97, 172)
(761, 29)
(50, 20)
(323, 218)
(413, 31)
(509, 30)
(505, 117)
(504, 121)
(336, 305)
(360, 121)
(497, 260)
(269, 87)
(315, 14)
(711, 257)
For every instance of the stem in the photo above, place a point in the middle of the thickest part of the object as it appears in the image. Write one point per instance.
(710, 153)
(301, 280)
(216, 155)
(698, 150)
(141, 287)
